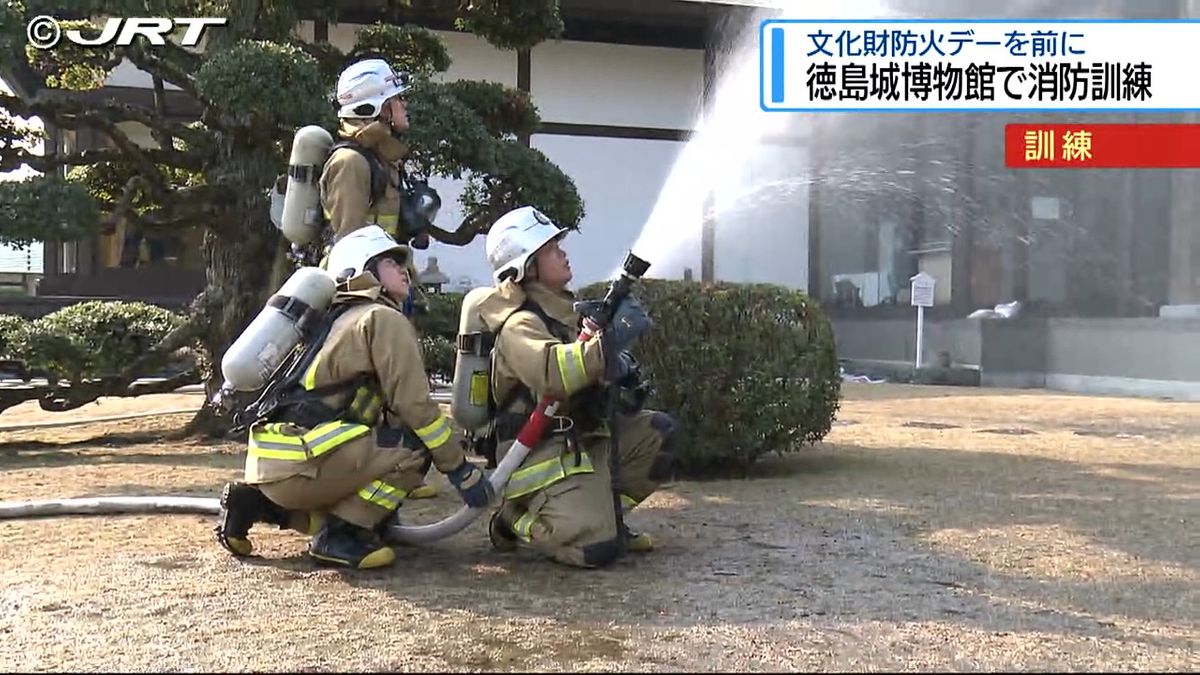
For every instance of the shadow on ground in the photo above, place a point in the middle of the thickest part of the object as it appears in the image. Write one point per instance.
(907, 535)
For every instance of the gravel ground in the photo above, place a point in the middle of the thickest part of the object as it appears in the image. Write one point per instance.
(935, 528)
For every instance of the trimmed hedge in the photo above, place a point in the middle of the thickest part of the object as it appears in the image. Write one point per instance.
(87, 340)
(747, 370)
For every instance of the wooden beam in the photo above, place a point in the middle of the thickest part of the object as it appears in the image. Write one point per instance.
(524, 79)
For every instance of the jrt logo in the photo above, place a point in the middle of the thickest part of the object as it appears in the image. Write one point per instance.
(44, 32)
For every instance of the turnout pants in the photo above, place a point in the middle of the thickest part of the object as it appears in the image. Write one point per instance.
(361, 482)
(571, 519)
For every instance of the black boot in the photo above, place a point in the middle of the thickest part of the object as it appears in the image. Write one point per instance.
(348, 545)
(500, 534)
(386, 524)
(243, 505)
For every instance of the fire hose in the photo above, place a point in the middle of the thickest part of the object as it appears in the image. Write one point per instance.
(528, 438)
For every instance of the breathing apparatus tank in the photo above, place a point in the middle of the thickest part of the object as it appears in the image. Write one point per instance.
(301, 219)
(279, 327)
(471, 388)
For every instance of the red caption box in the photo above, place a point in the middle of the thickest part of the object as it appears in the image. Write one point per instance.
(1102, 146)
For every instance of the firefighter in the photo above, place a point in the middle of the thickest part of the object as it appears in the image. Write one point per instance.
(339, 461)
(360, 182)
(560, 500)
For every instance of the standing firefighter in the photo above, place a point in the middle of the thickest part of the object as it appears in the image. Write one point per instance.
(362, 180)
(358, 429)
(561, 499)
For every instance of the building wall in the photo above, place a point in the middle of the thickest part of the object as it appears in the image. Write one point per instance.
(1130, 356)
(624, 85)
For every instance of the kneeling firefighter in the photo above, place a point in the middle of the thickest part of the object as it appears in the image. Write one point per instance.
(357, 430)
(560, 500)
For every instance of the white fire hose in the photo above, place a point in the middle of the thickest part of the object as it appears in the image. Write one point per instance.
(406, 534)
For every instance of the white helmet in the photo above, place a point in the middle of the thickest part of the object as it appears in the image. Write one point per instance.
(364, 87)
(349, 257)
(515, 237)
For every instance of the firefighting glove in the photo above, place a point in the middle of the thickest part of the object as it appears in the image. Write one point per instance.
(474, 487)
(629, 322)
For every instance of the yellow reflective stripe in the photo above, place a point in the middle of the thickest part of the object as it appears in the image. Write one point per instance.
(266, 441)
(270, 450)
(570, 366)
(310, 375)
(436, 433)
(384, 221)
(366, 404)
(628, 502)
(325, 437)
(382, 494)
(546, 473)
(523, 525)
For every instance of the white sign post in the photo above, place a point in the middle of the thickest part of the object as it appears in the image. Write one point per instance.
(922, 297)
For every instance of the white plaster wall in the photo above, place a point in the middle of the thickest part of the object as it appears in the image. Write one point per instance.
(471, 57)
(619, 181)
(595, 83)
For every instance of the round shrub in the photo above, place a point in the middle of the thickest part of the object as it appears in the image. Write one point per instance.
(11, 328)
(95, 338)
(746, 370)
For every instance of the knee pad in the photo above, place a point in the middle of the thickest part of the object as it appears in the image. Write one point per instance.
(664, 461)
(602, 554)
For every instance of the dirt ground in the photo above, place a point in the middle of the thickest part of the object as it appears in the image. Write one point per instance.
(936, 528)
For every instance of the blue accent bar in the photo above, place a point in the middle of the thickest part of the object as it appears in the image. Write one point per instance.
(777, 65)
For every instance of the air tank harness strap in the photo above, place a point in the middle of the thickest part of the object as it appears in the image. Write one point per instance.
(305, 408)
(296, 309)
(305, 173)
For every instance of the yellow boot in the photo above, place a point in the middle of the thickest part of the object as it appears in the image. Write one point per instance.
(638, 542)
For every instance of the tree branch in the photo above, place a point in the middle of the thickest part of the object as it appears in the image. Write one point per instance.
(48, 163)
(72, 114)
(164, 139)
(165, 70)
(467, 230)
(60, 107)
(331, 58)
(123, 204)
(77, 395)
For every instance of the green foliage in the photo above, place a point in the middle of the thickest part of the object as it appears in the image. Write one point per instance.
(439, 355)
(46, 209)
(746, 369)
(11, 329)
(12, 31)
(440, 316)
(445, 137)
(72, 66)
(503, 110)
(437, 324)
(525, 176)
(92, 339)
(512, 24)
(409, 48)
(106, 182)
(273, 81)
